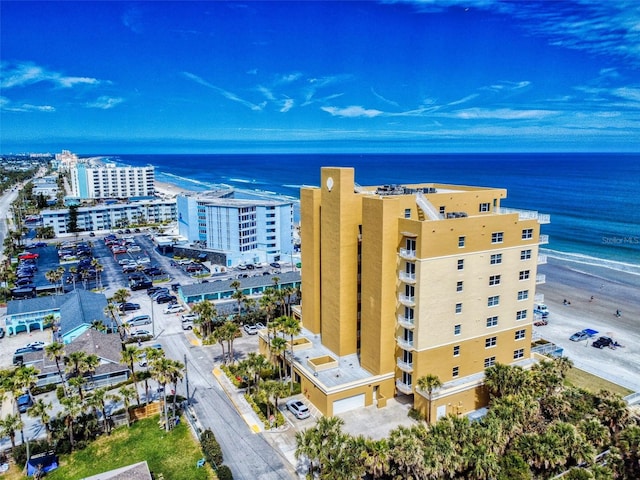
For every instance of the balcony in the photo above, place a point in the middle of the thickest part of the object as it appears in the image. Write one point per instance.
(542, 218)
(404, 366)
(406, 322)
(407, 254)
(407, 301)
(544, 240)
(540, 279)
(405, 344)
(404, 388)
(407, 277)
(542, 259)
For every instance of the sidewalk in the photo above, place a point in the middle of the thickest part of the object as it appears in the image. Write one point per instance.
(239, 402)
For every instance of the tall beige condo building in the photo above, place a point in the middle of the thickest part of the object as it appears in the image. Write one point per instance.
(404, 281)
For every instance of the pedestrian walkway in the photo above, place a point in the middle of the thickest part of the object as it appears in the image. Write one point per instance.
(239, 402)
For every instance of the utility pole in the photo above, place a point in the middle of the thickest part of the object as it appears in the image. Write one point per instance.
(186, 379)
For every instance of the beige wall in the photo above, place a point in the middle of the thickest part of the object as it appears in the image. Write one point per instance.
(310, 257)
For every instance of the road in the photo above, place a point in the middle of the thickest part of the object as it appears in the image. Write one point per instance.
(5, 203)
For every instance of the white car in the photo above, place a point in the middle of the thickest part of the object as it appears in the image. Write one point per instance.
(35, 345)
(250, 329)
(174, 309)
(299, 409)
(189, 317)
(134, 249)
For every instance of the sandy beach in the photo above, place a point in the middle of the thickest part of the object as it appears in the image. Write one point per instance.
(611, 290)
(169, 190)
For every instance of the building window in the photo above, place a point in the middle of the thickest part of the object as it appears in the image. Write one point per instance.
(457, 329)
(527, 233)
(407, 213)
(460, 264)
(518, 353)
(524, 275)
(493, 301)
(460, 242)
(492, 321)
(494, 280)
(490, 342)
(523, 294)
(485, 207)
(521, 315)
(496, 258)
(459, 286)
(489, 362)
(458, 308)
(525, 254)
(455, 372)
(497, 237)
(520, 334)
(456, 350)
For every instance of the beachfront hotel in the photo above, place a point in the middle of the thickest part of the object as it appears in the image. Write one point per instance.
(244, 230)
(404, 281)
(94, 180)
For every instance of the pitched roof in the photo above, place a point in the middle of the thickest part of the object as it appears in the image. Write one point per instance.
(137, 471)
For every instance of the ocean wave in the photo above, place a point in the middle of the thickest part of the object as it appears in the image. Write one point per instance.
(251, 181)
(186, 180)
(633, 269)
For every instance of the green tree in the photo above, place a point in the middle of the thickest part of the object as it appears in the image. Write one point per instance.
(40, 410)
(73, 219)
(206, 312)
(128, 356)
(9, 425)
(429, 383)
(73, 408)
(55, 351)
(128, 393)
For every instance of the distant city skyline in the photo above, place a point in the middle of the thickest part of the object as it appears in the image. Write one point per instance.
(251, 77)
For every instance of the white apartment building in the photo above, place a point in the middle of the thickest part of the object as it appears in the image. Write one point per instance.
(90, 180)
(247, 230)
(112, 216)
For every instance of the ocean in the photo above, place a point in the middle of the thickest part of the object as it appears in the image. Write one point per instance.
(593, 199)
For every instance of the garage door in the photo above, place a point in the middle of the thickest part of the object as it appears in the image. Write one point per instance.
(349, 403)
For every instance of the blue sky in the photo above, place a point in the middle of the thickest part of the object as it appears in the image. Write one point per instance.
(405, 76)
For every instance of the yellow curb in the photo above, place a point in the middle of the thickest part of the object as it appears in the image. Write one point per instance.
(255, 428)
(195, 342)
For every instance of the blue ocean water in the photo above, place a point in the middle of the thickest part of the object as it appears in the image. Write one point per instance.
(593, 199)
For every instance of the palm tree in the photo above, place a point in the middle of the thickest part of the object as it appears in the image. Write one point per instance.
(162, 372)
(230, 331)
(206, 311)
(278, 347)
(73, 271)
(53, 277)
(428, 384)
(55, 351)
(128, 356)
(291, 327)
(218, 336)
(377, 457)
(111, 311)
(176, 375)
(74, 407)
(78, 382)
(40, 410)
(121, 295)
(98, 400)
(255, 363)
(127, 393)
(97, 266)
(9, 426)
(75, 361)
(238, 295)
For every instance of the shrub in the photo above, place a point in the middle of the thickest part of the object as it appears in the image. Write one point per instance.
(60, 392)
(415, 414)
(50, 387)
(224, 473)
(211, 448)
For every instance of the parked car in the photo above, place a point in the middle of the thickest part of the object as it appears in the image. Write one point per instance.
(602, 342)
(299, 409)
(28, 256)
(250, 329)
(175, 286)
(583, 335)
(175, 308)
(160, 292)
(141, 284)
(187, 324)
(166, 298)
(139, 320)
(154, 272)
(275, 264)
(128, 306)
(24, 402)
(134, 249)
(189, 317)
(260, 326)
(2, 332)
(154, 289)
(141, 333)
(35, 345)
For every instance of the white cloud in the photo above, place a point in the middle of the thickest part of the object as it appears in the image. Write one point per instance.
(105, 103)
(229, 95)
(385, 100)
(627, 93)
(353, 111)
(8, 106)
(287, 105)
(28, 73)
(463, 100)
(500, 114)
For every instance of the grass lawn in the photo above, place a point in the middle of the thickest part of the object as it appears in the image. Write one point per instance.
(173, 454)
(594, 384)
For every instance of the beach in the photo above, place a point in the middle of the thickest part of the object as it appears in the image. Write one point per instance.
(612, 290)
(169, 190)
